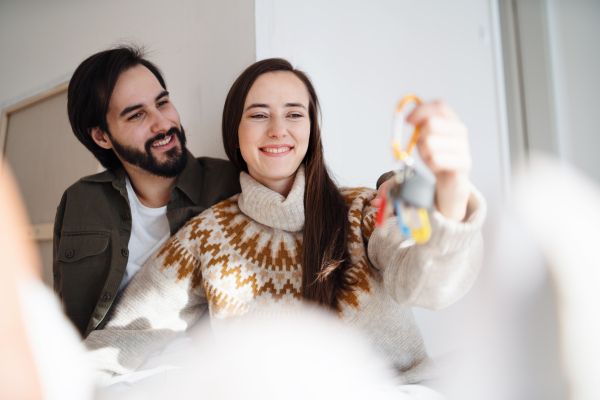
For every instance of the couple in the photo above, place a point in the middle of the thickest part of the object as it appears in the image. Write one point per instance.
(291, 234)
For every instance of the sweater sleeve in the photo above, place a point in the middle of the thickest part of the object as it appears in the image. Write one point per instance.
(437, 273)
(160, 301)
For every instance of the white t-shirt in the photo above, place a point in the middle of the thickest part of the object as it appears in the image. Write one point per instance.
(149, 231)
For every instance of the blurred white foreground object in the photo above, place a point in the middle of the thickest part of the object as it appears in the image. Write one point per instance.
(306, 355)
(41, 355)
(561, 209)
(55, 344)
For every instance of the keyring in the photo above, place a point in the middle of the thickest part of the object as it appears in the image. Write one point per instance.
(413, 220)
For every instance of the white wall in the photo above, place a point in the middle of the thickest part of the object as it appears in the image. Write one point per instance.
(363, 56)
(201, 46)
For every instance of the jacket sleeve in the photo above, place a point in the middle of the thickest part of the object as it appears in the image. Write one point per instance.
(56, 264)
(161, 300)
(437, 273)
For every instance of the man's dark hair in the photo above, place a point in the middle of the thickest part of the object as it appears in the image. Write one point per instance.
(90, 91)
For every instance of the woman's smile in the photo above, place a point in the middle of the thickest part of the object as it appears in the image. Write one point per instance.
(277, 150)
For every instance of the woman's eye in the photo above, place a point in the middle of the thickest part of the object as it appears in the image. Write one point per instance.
(296, 115)
(258, 116)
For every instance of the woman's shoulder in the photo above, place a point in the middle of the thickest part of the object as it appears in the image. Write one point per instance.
(358, 196)
(361, 213)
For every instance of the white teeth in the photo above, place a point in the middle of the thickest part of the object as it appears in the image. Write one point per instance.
(278, 150)
(162, 142)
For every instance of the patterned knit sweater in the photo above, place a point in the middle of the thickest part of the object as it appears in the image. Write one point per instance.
(243, 256)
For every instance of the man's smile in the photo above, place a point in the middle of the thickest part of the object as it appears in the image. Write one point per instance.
(164, 143)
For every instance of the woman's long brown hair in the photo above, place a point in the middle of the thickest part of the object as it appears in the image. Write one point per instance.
(326, 227)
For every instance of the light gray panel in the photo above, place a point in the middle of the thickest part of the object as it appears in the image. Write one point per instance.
(532, 29)
(579, 35)
(45, 155)
(512, 80)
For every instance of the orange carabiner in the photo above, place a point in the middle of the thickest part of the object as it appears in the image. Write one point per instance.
(398, 153)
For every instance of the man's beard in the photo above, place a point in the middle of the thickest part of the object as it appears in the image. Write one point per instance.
(176, 157)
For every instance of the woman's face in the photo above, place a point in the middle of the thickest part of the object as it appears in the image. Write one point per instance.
(275, 127)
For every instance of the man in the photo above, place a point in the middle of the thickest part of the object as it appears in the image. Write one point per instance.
(108, 224)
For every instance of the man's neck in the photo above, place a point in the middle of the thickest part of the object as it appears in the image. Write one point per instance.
(152, 191)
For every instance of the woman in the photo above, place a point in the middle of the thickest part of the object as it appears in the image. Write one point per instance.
(292, 236)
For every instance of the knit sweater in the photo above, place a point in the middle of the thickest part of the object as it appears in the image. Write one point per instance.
(243, 256)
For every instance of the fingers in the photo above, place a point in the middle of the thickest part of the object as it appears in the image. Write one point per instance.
(443, 141)
(445, 154)
(437, 125)
(377, 201)
(424, 111)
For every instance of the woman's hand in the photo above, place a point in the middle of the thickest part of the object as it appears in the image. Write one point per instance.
(444, 147)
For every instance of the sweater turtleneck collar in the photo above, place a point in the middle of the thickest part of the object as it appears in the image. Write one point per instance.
(269, 207)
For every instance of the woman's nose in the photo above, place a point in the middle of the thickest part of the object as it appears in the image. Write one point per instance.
(276, 129)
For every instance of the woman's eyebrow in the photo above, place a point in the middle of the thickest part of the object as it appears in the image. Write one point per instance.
(295, 105)
(257, 105)
(263, 105)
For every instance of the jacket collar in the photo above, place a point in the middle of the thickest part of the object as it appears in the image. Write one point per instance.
(189, 180)
(109, 175)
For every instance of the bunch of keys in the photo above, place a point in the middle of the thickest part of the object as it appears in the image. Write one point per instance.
(412, 190)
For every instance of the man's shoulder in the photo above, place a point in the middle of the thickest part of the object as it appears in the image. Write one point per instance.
(217, 165)
(219, 178)
(89, 184)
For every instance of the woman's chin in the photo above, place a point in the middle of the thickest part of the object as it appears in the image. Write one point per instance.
(280, 175)
(277, 170)
(274, 176)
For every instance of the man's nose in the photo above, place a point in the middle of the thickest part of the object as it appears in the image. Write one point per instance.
(160, 123)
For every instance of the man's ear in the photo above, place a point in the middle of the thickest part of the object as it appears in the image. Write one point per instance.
(101, 138)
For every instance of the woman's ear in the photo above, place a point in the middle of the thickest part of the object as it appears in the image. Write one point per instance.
(101, 138)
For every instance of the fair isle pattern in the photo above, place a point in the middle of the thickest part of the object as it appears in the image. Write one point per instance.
(362, 217)
(243, 265)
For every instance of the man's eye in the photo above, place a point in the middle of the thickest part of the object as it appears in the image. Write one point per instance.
(162, 103)
(134, 116)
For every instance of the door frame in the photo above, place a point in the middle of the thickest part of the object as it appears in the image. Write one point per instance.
(38, 232)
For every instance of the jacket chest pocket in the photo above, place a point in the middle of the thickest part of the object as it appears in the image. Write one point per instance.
(85, 263)
(75, 247)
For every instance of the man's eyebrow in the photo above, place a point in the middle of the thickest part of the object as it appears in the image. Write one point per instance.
(132, 108)
(163, 94)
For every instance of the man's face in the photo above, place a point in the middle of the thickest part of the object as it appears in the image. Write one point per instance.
(144, 127)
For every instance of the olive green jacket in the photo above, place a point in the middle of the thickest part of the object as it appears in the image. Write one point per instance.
(93, 226)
